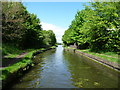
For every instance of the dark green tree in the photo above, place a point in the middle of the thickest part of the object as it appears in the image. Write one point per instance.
(96, 27)
(49, 38)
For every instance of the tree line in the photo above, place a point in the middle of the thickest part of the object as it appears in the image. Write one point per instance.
(97, 27)
(23, 29)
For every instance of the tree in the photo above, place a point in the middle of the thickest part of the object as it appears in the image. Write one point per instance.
(19, 27)
(96, 27)
(33, 32)
(12, 19)
(49, 38)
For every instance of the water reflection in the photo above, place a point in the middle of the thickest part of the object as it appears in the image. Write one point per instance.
(60, 69)
(84, 75)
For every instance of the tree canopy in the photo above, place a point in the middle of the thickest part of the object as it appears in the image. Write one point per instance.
(96, 27)
(22, 28)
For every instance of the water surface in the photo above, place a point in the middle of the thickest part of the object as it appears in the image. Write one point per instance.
(62, 69)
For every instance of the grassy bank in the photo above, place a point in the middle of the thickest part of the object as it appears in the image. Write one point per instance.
(26, 60)
(10, 50)
(15, 67)
(13, 52)
(110, 56)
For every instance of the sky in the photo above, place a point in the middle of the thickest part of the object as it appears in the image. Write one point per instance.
(56, 16)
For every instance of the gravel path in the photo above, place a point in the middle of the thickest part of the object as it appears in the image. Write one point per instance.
(10, 61)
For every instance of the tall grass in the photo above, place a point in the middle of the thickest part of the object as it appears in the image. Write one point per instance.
(10, 49)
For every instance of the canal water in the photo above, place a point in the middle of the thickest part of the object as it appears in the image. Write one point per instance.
(62, 69)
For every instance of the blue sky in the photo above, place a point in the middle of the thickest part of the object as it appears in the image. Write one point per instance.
(55, 15)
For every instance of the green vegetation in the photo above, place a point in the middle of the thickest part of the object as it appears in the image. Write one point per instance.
(23, 29)
(96, 28)
(49, 38)
(22, 33)
(15, 67)
(110, 56)
(10, 50)
(26, 60)
(53, 46)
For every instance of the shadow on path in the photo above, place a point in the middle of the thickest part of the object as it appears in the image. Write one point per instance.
(10, 61)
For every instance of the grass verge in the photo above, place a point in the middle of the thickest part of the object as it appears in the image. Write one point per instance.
(10, 50)
(15, 67)
(26, 60)
(110, 56)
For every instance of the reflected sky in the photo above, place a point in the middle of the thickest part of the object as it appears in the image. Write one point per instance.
(62, 69)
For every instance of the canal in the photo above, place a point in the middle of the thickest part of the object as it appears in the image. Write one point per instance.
(62, 69)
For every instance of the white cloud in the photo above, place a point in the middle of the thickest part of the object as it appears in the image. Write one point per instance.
(59, 31)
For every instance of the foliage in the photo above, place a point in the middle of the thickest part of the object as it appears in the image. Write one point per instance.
(96, 27)
(110, 56)
(33, 33)
(26, 60)
(12, 20)
(15, 67)
(10, 49)
(21, 28)
(49, 38)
